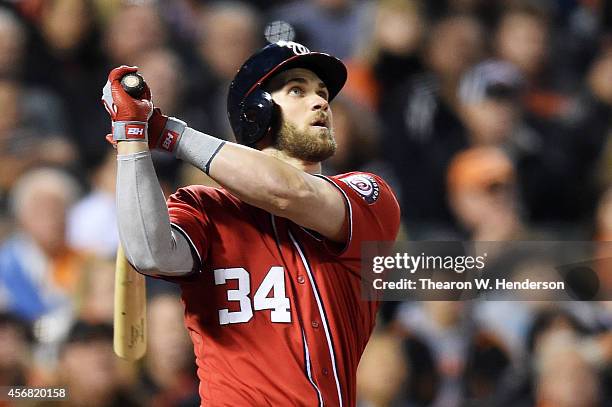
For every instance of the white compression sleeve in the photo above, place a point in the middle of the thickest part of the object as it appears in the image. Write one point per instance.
(150, 243)
(198, 149)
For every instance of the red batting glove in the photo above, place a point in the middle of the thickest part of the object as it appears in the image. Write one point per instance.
(129, 115)
(157, 124)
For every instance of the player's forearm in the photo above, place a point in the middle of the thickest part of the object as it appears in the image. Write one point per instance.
(130, 147)
(144, 224)
(254, 177)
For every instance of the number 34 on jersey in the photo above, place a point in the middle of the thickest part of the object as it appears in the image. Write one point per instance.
(270, 295)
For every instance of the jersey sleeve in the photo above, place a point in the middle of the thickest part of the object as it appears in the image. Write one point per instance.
(373, 211)
(189, 217)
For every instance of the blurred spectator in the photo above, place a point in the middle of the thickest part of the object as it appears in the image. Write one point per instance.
(400, 28)
(337, 27)
(230, 31)
(523, 38)
(382, 372)
(66, 25)
(169, 375)
(88, 369)
(32, 131)
(446, 327)
(12, 43)
(603, 225)
(390, 54)
(15, 352)
(602, 234)
(180, 17)
(543, 381)
(66, 55)
(486, 364)
(486, 11)
(549, 320)
(455, 43)
(590, 128)
(600, 78)
(357, 134)
(39, 273)
(469, 361)
(489, 105)
(603, 174)
(422, 388)
(490, 96)
(512, 328)
(483, 195)
(564, 377)
(92, 221)
(95, 294)
(422, 130)
(579, 32)
(133, 30)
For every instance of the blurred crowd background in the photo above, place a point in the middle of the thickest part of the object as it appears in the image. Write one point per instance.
(491, 119)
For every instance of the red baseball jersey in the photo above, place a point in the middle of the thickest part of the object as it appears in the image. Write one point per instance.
(275, 312)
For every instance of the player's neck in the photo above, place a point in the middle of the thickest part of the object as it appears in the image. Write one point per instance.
(306, 166)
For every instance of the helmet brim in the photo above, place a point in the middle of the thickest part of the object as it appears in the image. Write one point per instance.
(328, 68)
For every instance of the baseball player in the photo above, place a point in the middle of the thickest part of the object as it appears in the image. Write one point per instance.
(269, 264)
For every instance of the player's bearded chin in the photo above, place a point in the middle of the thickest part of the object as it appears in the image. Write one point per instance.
(311, 145)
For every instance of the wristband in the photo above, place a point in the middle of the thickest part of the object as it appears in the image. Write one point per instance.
(130, 131)
(172, 134)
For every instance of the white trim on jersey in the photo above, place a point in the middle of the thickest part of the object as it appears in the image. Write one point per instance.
(308, 370)
(272, 219)
(321, 312)
(311, 234)
(306, 350)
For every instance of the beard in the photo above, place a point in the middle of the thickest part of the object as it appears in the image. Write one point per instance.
(312, 145)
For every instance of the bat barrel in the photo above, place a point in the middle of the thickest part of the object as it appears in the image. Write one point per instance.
(130, 323)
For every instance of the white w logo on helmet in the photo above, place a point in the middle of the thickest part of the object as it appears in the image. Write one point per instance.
(297, 49)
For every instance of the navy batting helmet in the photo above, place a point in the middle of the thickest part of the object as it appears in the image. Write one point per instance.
(250, 108)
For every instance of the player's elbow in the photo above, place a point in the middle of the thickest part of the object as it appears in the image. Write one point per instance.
(143, 265)
(155, 263)
(156, 267)
(144, 262)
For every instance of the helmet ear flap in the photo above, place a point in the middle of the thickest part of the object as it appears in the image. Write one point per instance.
(256, 116)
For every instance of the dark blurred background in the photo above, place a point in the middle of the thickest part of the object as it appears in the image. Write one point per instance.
(491, 119)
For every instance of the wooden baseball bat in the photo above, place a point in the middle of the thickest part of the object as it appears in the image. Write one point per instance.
(130, 321)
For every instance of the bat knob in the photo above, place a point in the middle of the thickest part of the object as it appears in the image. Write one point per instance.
(133, 84)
